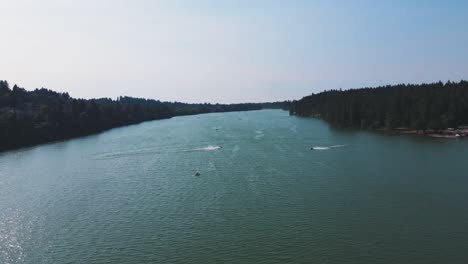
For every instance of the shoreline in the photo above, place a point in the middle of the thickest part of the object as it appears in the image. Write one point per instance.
(451, 133)
(442, 133)
(93, 133)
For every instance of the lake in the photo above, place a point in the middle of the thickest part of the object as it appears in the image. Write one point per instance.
(130, 195)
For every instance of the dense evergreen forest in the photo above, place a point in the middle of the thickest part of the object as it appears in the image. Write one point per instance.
(42, 115)
(434, 106)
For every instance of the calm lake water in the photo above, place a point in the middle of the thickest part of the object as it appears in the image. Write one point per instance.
(130, 195)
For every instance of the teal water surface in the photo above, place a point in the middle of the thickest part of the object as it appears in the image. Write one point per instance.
(130, 195)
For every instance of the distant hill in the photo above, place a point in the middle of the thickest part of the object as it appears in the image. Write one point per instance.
(432, 106)
(42, 115)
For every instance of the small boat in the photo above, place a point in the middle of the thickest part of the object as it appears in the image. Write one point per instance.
(197, 173)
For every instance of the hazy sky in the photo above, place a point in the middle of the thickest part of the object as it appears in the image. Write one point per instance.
(229, 51)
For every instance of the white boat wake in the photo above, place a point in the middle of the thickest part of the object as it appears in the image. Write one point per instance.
(118, 154)
(208, 148)
(326, 148)
(112, 155)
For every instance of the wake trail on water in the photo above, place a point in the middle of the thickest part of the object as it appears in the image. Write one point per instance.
(208, 148)
(119, 154)
(327, 148)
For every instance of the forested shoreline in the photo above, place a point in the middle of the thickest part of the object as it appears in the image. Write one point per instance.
(42, 115)
(435, 106)
(39, 116)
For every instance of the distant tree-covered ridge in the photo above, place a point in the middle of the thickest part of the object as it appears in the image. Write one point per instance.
(434, 106)
(42, 115)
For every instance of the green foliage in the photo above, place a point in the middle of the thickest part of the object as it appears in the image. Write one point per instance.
(43, 115)
(426, 106)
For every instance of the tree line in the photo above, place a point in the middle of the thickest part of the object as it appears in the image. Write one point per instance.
(434, 106)
(42, 115)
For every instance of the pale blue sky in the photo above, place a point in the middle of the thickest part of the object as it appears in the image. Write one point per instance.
(229, 51)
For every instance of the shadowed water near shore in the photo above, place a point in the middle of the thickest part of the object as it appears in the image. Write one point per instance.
(129, 195)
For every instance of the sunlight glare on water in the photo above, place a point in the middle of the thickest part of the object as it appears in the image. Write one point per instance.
(262, 195)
